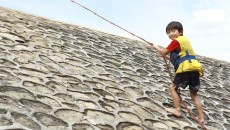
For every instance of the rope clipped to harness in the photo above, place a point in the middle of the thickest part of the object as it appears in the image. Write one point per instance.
(150, 45)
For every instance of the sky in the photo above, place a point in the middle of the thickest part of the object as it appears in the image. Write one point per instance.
(206, 22)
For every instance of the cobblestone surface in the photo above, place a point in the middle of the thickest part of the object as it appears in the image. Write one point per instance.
(57, 76)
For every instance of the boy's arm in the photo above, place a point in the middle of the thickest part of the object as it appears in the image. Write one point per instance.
(164, 52)
(167, 57)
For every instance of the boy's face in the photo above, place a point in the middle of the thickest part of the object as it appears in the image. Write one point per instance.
(173, 34)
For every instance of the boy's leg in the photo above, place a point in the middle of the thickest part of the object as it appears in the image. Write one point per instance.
(198, 105)
(176, 100)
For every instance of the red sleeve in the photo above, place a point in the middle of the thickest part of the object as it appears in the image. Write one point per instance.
(174, 45)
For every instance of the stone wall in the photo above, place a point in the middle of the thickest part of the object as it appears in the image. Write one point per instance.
(57, 76)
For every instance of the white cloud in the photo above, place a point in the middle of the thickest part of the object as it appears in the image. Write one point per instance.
(210, 15)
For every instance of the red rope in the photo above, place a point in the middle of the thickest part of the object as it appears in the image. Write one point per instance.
(110, 22)
(151, 45)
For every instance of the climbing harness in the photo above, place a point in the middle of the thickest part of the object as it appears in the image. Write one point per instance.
(167, 66)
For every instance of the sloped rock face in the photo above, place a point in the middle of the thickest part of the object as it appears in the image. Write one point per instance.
(56, 76)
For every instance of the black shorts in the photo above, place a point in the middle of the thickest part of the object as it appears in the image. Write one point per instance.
(188, 78)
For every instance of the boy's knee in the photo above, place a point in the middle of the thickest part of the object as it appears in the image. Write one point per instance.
(172, 87)
(193, 94)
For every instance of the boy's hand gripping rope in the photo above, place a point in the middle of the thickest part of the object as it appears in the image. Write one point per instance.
(151, 46)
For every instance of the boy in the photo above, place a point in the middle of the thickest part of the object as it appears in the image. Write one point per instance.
(187, 68)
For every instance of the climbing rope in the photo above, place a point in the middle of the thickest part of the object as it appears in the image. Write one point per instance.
(197, 120)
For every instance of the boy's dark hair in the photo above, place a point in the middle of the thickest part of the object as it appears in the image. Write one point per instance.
(175, 25)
